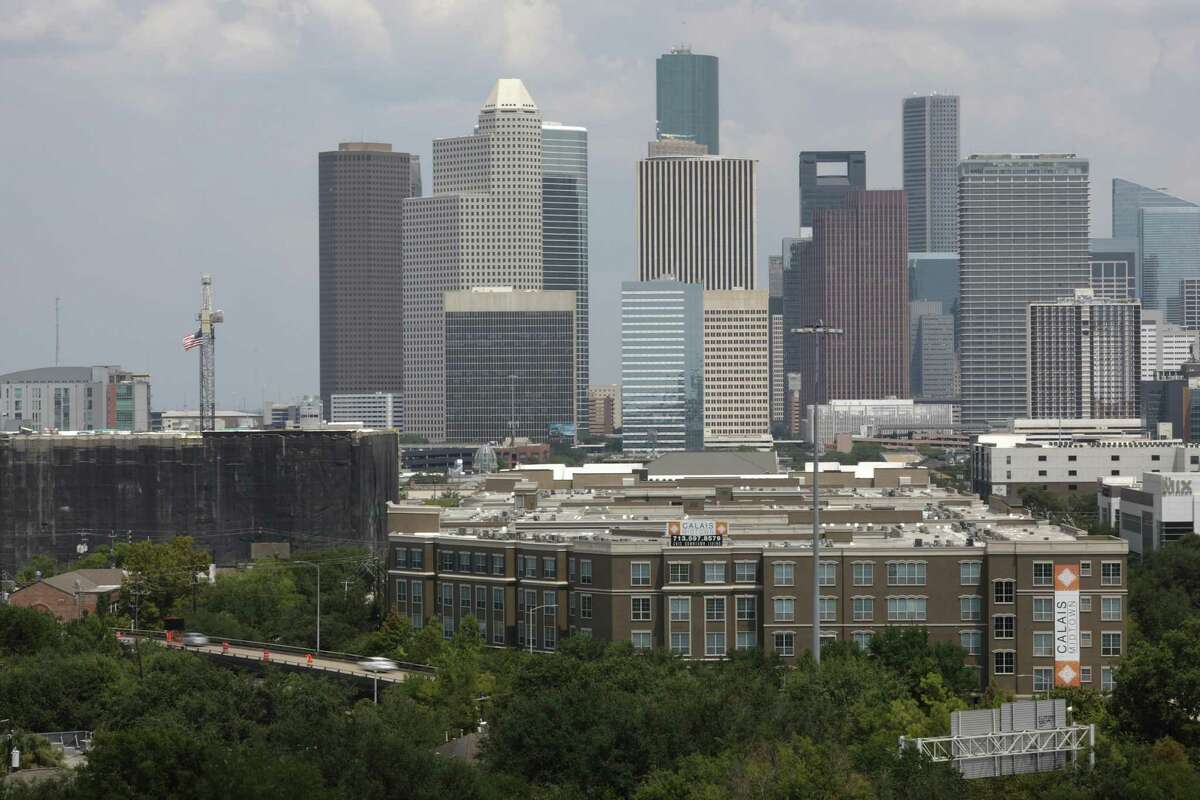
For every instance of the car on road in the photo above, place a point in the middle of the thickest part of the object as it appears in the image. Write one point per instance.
(194, 639)
(378, 664)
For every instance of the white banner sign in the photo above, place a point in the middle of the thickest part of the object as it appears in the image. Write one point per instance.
(1066, 624)
(697, 532)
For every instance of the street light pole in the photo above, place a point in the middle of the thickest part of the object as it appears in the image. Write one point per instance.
(529, 631)
(820, 331)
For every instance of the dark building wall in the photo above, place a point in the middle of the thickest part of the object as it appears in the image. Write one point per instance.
(820, 190)
(312, 487)
(688, 97)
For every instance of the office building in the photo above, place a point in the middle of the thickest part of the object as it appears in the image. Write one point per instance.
(737, 368)
(1170, 254)
(1023, 238)
(1151, 510)
(697, 221)
(662, 366)
(855, 277)
(1113, 263)
(379, 410)
(827, 178)
(509, 356)
(1128, 200)
(675, 147)
(611, 391)
(793, 317)
(933, 366)
(483, 184)
(688, 97)
(1189, 293)
(75, 399)
(775, 303)
(930, 153)
(934, 277)
(601, 411)
(1083, 356)
(1164, 346)
(565, 237)
(362, 187)
(886, 417)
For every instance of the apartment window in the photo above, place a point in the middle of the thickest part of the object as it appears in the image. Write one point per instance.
(862, 609)
(447, 598)
(416, 559)
(1071, 473)
(970, 608)
(1110, 609)
(1043, 573)
(1110, 573)
(572, 604)
(1085, 603)
(1110, 644)
(585, 570)
(639, 573)
(464, 562)
(864, 573)
(906, 573)
(481, 599)
(401, 593)
(828, 609)
(785, 643)
(448, 628)
(639, 609)
(417, 601)
(1072, 458)
(1043, 609)
(1108, 680)
(714, 644)
(1085, 569)
(862, 639)
(585, 606)
(745, 640)
(549, 637)
(785, 609)
(497, 599)
(784, 573)
(585, 633)
(1003, 591)
(714, 609)
(640, 640)
(400, 557)
(971, 641)
(445, 561)
(1005, 662)
(681, 609)
(1085, 638)
(1043, 644)
(497, 563)
(714, 571)
(1004, 626)
(680, 573)
(1085, 674)
(745, 571)
(1043, 679)
(571, 571)
(1041, 458)
(745, 609)
(681, 643)
(827, 573)
(498, 633)
(549, 567)
(464, 597)
(969, 573)
(1041, 473)
(481, 562)
(906, 609)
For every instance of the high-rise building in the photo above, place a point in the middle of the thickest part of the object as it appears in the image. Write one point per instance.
(1170, 254)
(1083, 355)
(932, 361)
(662, 366)
(697, 221)
(775, 305)
(793, 317)
(1113, 263)
(361, 191)
(688, 97)
(855, 277)
(611, 391)
(482, 226)
(75, 399)
(604, 404)
(827, 178)
(931, 172)
(737, 368)
(1128, 200)
(509, 357)
(380, 410)
(565, 236)
(675, 147)
(933, 277)
(1023, 238)
(1189, 290)
(1165, 346)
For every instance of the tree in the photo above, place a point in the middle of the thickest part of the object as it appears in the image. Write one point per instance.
(24, 631)
(41, 563)
(165, 571)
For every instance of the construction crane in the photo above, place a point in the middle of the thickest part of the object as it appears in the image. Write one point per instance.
(208, 317)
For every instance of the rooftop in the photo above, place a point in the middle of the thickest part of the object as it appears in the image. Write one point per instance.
(509, 94)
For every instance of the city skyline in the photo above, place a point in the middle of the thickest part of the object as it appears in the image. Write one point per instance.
(240, 203)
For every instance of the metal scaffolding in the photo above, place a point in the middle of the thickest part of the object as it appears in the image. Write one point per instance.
(208, 389)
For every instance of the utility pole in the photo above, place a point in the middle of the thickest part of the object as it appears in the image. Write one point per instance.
(820, 330)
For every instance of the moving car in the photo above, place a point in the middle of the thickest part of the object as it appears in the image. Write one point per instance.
(194, 639)
(378, 664)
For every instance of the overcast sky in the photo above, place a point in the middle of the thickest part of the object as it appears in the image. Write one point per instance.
(147, 142)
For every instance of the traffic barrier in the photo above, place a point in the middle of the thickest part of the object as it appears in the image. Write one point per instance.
(266, 657)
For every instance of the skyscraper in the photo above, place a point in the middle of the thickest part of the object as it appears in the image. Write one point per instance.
(934, 277)
(775, 304)
(482, 226)
(1113, 263)
(1170, 254)
(697, 220)
(827, 178)
(1023, 238)
(1164, 346)
(931, 172)
(1129, 198)
(931, 338)
(855, 276)
(361, 191)
(565, 236)
(688, 97)
(737, 368)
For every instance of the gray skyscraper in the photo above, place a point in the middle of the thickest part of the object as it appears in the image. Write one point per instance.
(1170, 254)
(931, 172)
(565, 236)
(931, 337)
(361, 189)
(1023, 238)
(1129, 198)
(827, 177)
(688, 98)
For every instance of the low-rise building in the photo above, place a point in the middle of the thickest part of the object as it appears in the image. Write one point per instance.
(380, 410)
(75, 399)
(73, 595)
(1151, 510)
(889, 416)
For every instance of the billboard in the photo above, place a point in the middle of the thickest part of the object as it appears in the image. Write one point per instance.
(697, 532)
(1066, 624)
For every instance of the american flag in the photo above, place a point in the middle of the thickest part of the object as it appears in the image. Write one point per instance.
(192, 340)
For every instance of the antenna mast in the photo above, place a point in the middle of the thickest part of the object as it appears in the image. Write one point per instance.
(208, 388)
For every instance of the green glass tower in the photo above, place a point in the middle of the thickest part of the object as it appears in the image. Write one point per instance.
(688, 98)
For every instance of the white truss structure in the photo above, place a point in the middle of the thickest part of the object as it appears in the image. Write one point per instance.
(1047, 741)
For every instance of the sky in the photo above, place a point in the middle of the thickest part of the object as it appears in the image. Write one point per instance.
(145, 143)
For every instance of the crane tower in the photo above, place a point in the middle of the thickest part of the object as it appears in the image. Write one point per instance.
(207, 318)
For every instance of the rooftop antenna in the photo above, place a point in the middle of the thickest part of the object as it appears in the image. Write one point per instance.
(57, 330)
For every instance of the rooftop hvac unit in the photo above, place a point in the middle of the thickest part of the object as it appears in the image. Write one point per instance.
(917, 543)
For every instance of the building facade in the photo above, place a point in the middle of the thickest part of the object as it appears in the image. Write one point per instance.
(1151, 511)
(827, 177)
(934, 277)
(1114, 268)
(611, 391)
(1170, 254)
(361, 191)
(675, 146)
(75, 399)
(381, 410)
(1164, 346)
(662, 366)
(930, 167)
(737, 368)
(1023, 238)
(887, 417)
(687, 97)
(1128, 200)
(933, 365)
(1189, 291)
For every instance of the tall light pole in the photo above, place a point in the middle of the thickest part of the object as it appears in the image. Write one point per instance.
(820, 330)
(529, 632)
(318, 566)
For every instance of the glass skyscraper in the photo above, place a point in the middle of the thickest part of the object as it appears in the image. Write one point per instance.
(1129, 198)
(565, 236)
(688, 97)
(1170, 254)
(931, 172)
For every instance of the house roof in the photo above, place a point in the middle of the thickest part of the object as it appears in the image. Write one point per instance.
(715, 463)
(90, 580)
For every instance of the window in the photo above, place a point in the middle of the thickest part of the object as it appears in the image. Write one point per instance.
(1072, 458)
(416, 559)
(785, 643)
(680, 573)
(864, 573)
(1043, 573)
(1071, 473)
(1110, 644)
(863, 609)
(969, 572)
(714, 644)
(498, 634)
(827, 573)
(1043, 609)
(828, 609)
(497, 564)
(906, 609)
(906, 573)
(1085, 674)
(1003, 591)
(1005, 662)
(745, 640)
(714, 609)
(445, 561)
(1114, 458)
(571, 571)
(448, 628)
(464, 597)
(745, 609)
(785, 609)
(639, 573)
(481, 562)
(714, 571)
(585, 606)
(401, 593)
(1085, 603)
(745, 571)
(784, 573)
(681, 643)
(399, 557)
(971, 641)
(1110, 609)
(681, 609)
(1085, 569)
(1085, 638)
(970, 608)
(1041, 458)
(1107, 674)
(585, 633)
(1004, 626)
(863, 639)
(572, 604)
(481, 594)
(464, 562)
(1110, 573)
(549, 567)
(447, 598)
(1043, 679)
(585, 570)
(1041, 473)
(1043, 645)
(549, 636)
(639, 609)
(640, 640)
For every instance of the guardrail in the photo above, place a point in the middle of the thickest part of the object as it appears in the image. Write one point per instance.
(75, 740)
